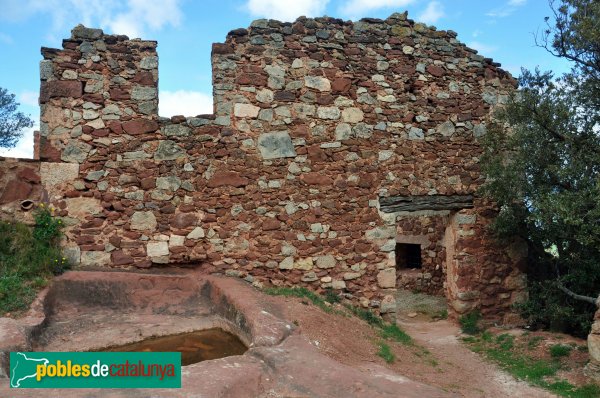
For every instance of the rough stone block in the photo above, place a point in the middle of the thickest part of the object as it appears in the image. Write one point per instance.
(196, 233)
(287, 263)
(95, 259)
(81, 32)
(326, 262)
(168, 150)
(305, 264)
(352, 115)
(157, 249)
(140, 126)
(60, 89)
(388, 304)
(227, 178)
(245, 110)
(83, 207)
(143, 221)
(276, 145)
(15, 190)
(386, 278)
(318, 83)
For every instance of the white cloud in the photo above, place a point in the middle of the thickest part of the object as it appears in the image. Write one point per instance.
(143, 14)
(24, 148)
(29, 98)
(507, 9)
(482, 48)
(432, 13)
(286, 10)
(130, 17)
(359, 8)
(183, 102)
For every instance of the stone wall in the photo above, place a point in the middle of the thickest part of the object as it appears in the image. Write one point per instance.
(20, 188)
(313, 122)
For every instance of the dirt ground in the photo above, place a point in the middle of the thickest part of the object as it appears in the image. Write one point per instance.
(437, 358)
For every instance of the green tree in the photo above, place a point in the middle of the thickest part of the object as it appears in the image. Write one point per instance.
(543, 166)
(12, 122)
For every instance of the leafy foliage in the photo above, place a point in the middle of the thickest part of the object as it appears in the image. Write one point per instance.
(515, 358)
(301, 292)
(386, 353)
(331, 296)
(469, 323)
(28, 259)
(391, 331)
(542, 161)
(560, 350)
(12, 122)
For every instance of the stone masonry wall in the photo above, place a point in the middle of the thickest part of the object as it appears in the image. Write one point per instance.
(313, 122)
(19, 181)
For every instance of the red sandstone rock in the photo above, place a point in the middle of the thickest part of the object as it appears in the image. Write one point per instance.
(144, 78)
(227, 178)
(117, 94)
(271, 224)
(317, 179)
(140, 126)
(184, 220)
(59, 89)
(15, 190)
(29, 175)
(119, 258)
(341, 85)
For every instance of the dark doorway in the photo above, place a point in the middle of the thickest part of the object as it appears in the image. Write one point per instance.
(408, 256)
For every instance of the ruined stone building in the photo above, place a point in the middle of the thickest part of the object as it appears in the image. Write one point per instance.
(340, 155)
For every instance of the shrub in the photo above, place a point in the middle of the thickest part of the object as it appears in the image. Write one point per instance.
(386, 353)
(560, 350)
(331, 296)
(28, 258)
(469, 323)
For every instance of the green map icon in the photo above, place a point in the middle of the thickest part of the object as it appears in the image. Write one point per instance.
(23, 367)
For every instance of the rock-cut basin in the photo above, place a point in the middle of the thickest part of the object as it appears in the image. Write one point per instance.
(235, 342)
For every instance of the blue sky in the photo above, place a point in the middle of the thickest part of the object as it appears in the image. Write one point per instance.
(500, 29)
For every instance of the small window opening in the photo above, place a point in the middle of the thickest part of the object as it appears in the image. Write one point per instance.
(408, 256)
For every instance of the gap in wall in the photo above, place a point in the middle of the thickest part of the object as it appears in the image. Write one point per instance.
(408, 256)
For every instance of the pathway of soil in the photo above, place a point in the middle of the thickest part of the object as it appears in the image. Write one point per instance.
(459, 369)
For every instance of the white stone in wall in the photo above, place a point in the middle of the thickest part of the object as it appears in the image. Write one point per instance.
(94, 259)
(96, 124)
(265, 95)
(446, 129)
(176, 240)
(386, 278)
(245, 110)
(82, 207)
(196, 233)
(318, 83)
(305, 264)
(143, 220)
(385, 155)
(352, 115)
(276, 145)
(328, 112)
(338, 285)
(157, 249)
(325, 262)
(287, 263)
